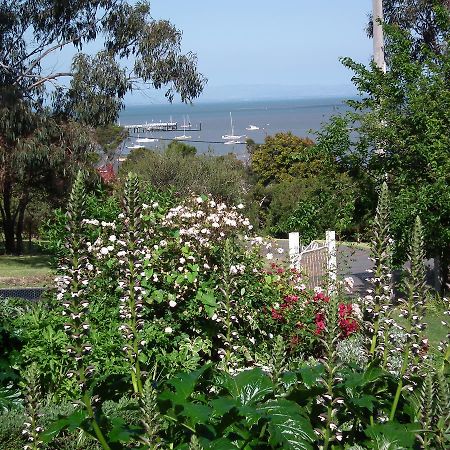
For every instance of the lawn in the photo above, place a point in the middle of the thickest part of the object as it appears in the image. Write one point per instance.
(29, 270)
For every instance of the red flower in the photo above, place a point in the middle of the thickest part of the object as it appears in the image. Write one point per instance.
(320, 323)
(347, 324)
(276, 315)
(321, 296)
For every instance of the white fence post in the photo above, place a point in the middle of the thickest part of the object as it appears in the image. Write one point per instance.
(294, 250)
(331, 260)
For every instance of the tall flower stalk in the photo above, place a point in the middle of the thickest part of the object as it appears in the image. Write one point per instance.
(379, 300)
(413, 309)
(72, 292)
(32, 428)
(132, 294)
(330, 431)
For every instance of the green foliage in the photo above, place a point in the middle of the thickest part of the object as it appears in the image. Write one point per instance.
(42, 141)
(181, 148)
(110, 137)
(165, 288)
(283, 157)
(400, 133)
(311, 206)
(182, 172)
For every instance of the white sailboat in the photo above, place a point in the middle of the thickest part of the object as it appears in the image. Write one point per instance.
(183, 136)
(188, 126)
(252, 128)
(145, 140)
(232, 136)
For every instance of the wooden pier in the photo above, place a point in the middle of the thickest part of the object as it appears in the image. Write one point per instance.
(161, 126)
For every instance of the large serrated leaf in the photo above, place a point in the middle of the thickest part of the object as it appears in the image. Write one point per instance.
(403, 436)
(69, 423)
(288, 426)
(249, 387)
(197, 412)
(310, 375)
(183, 384)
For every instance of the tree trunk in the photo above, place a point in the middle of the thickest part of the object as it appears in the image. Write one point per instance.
(8, 217)
(20, 225)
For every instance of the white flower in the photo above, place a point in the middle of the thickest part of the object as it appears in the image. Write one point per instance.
(113, 238)
(280, 250)
(199, 200)
(104, 251)
(172, 303)
(269, 256)
(240, 206)
(168, 330)
(182, 260)
(155, 205)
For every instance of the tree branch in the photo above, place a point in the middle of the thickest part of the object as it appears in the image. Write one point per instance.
(50, 77)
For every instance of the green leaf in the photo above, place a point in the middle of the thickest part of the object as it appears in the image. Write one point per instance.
(288, 426)
(365, 401)
(310, 375)
(249, 387)
(121, 432)
(184, 384)
(208, 299)
(222, 405)
(402, 435)
(197, 412)
(69, 423)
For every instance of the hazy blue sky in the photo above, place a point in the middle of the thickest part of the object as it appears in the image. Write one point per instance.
(284, 43)
(254, 49)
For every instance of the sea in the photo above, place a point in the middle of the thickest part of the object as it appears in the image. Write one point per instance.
(208, 122)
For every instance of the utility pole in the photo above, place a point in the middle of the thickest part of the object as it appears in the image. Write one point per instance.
(378, 38)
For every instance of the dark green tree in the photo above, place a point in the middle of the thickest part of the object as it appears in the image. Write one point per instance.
(39, 106)
(400, 133)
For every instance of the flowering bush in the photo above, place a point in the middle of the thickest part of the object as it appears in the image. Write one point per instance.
(302, 314)
(160, 288)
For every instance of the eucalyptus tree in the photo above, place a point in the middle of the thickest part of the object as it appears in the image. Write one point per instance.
(418, 17)
(41, 107)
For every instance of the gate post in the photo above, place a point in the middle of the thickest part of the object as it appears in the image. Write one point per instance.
(294, 250)
(331, 260)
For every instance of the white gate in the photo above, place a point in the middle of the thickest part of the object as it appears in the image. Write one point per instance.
(317, 260)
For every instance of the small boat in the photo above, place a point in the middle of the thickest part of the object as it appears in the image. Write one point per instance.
(232, 136)
(144, 140)
(232, 142)
(252, 128)
(188, 126)
(133, 147)
(183, 136)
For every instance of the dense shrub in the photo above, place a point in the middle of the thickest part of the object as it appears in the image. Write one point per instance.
(223, 177)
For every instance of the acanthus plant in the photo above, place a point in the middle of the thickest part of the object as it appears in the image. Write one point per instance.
(72, 285)
(377, 304)
(131, 255)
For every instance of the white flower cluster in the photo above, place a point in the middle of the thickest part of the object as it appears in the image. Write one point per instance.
(205, 222)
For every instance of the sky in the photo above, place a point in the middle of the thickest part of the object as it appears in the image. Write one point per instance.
(290, 46)
(252, 49)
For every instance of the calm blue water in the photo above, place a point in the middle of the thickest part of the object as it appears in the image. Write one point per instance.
(271, 116)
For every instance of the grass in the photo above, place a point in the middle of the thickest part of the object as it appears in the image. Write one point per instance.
(29, 270)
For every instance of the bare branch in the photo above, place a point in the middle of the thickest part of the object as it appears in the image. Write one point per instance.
(50, 77)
